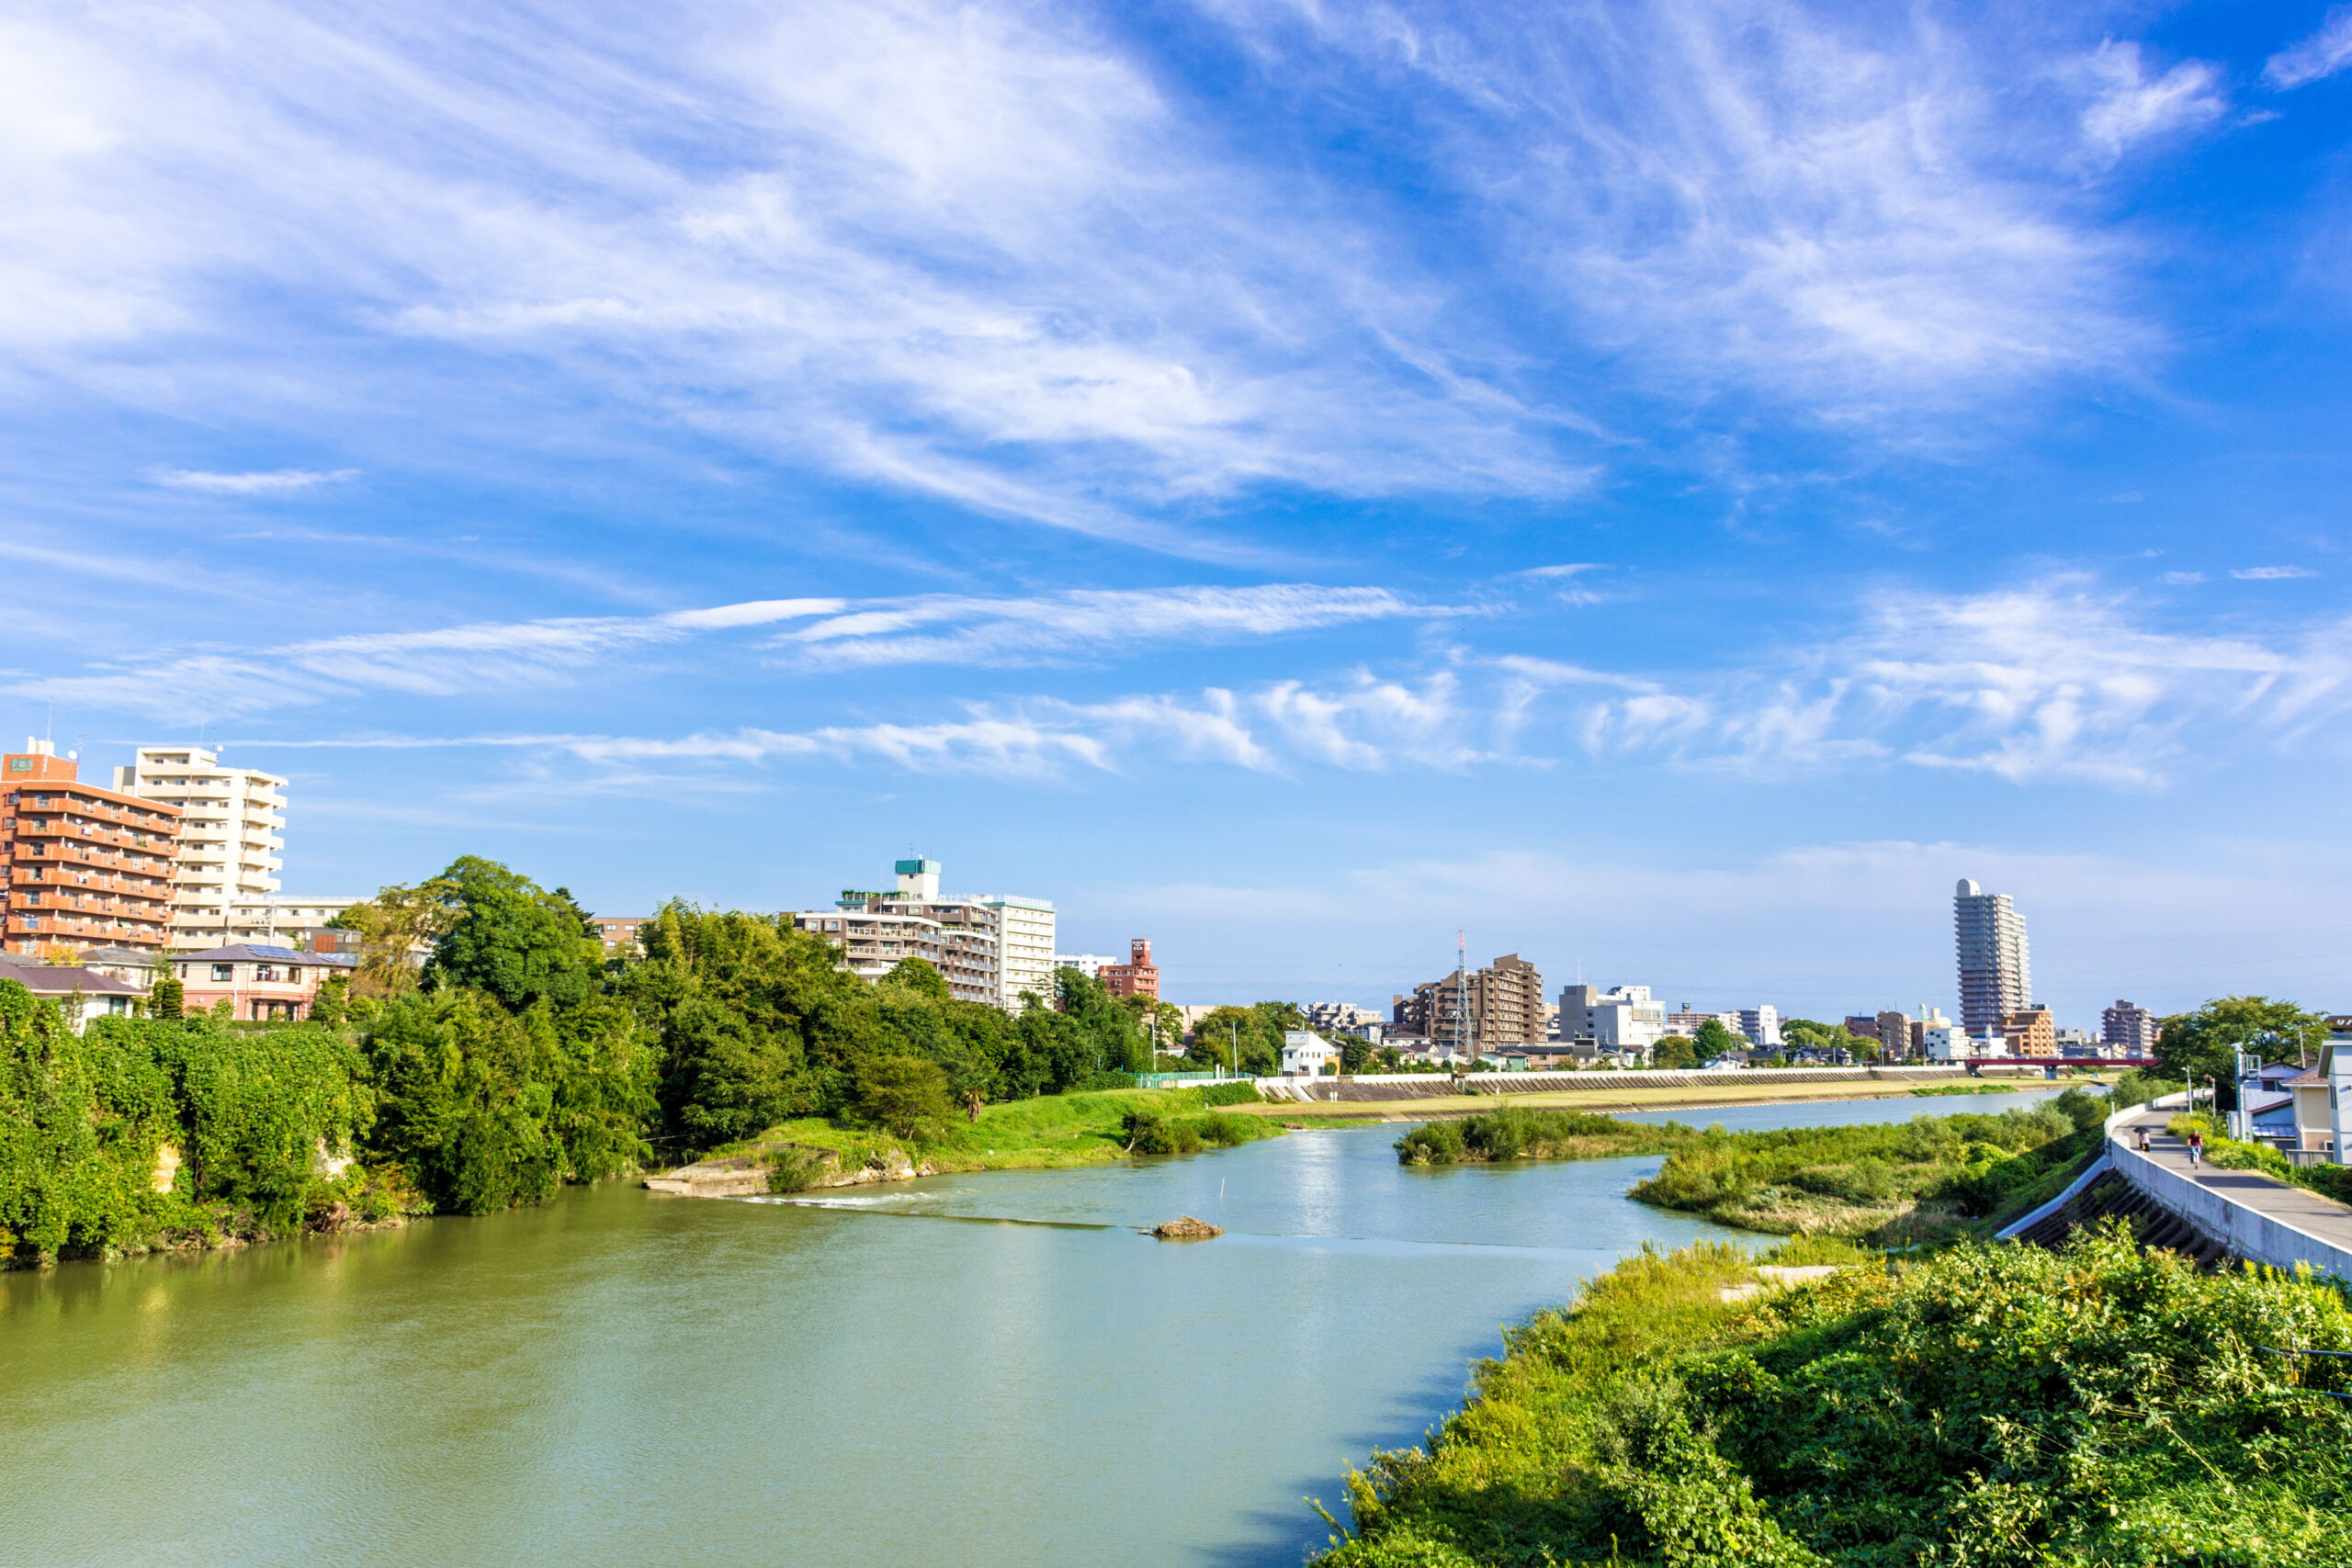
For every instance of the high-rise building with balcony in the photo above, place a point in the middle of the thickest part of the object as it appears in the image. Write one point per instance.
(232, 834)
(85, 868)
(1484, 1010)
(2130, 1025)
(989, 949)
(1996, 976)
(1138, 976)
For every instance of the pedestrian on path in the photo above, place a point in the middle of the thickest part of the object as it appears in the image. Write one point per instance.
(2144, 1140)
(2196, 1149)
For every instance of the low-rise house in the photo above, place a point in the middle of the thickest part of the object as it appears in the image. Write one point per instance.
(81, 993)
(2314, 1130)
(1307, 1055)
(258, 983)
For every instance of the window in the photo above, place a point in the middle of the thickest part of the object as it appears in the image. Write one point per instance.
(222, 972)
(266, 973)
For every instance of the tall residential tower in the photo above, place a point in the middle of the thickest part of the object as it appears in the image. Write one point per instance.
(1995, 977)
(232, 822)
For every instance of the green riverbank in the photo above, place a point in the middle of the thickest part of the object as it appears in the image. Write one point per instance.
(1931, 1179)
(1990, 1405)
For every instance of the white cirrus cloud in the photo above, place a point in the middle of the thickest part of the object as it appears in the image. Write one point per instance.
(1079, 624)
(2272, 573)
(2321, 55)
(273, 482)
(2131, 106)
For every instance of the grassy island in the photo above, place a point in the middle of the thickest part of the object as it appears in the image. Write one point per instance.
(1989, 1405)
(1931, 1178)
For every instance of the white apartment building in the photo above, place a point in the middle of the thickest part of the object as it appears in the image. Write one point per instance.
(1995, 964)
(1024, 947)
(232, 828)
(1087, 964)
(287, 920)
(1761, 1025)
(989, 949)
(1619, 1020)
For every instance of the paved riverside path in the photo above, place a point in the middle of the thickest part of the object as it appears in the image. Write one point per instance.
(2307, 1211)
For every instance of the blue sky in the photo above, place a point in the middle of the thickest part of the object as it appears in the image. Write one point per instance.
(1665, 488)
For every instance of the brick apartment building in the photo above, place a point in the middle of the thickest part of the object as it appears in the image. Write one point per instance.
(87, 867)
(1138, 976)
(1505, 1002)
(2131, 1026)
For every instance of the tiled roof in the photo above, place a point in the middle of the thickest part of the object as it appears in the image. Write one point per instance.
(248, 952)
(57, 980)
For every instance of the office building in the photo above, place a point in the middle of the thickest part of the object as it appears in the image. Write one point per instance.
(1505, 1007)
(2130, 1025)
(1995, 973)
(233, 823)
(1138, 976)
(85, 868)
(1616, 1020)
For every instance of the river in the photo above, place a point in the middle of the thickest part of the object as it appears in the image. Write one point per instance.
(977, 1370)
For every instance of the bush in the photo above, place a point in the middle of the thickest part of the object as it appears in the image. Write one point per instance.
(1433, 1143)
(1240, 1092)
(1097, 1083)
(904, 1095)
(1228, 1132)
(1149, 1133)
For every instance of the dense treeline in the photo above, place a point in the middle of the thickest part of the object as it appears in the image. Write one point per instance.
(518, 1058)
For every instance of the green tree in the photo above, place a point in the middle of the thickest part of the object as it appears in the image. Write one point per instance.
(906, 1095)
(332, 1000)
(167, 998)
(1355, 1054)
(467, 1095)
(918, 975)
(1674, 1051)
(2193, 1045)
(508, 937)
(393, 928)
(757, 1021)
(1715, 1039)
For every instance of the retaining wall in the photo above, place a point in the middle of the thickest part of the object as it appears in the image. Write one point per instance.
(1432, 1086)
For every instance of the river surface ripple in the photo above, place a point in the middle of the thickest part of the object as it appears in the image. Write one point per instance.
(621, 1377)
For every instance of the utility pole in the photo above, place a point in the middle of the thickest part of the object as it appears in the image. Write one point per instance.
(1461, 990)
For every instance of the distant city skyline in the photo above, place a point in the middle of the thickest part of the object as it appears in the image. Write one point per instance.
(1667, 489)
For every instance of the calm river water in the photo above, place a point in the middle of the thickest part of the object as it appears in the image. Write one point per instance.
(972, 1369)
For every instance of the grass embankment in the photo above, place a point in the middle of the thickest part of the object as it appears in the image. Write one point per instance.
(1445, 1102)
(1048, 1133)
(1993, 1405)
(1932, 1178)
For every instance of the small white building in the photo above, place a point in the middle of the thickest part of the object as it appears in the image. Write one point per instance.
(1304, 1055)
(1952, 1043)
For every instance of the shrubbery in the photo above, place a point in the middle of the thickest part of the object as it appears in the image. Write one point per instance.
(1993, 1405)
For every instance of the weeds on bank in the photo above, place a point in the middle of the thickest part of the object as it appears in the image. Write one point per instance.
(1991, 1404)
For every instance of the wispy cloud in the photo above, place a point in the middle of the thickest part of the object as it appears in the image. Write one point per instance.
(2131, 106)
(274, 481)
(2271, 573)
(2321, 55)
(949, 629)
(940, 630)
(995, 254)
(2056, 681)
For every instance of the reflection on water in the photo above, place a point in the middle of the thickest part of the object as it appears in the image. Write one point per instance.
(624, 1376)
